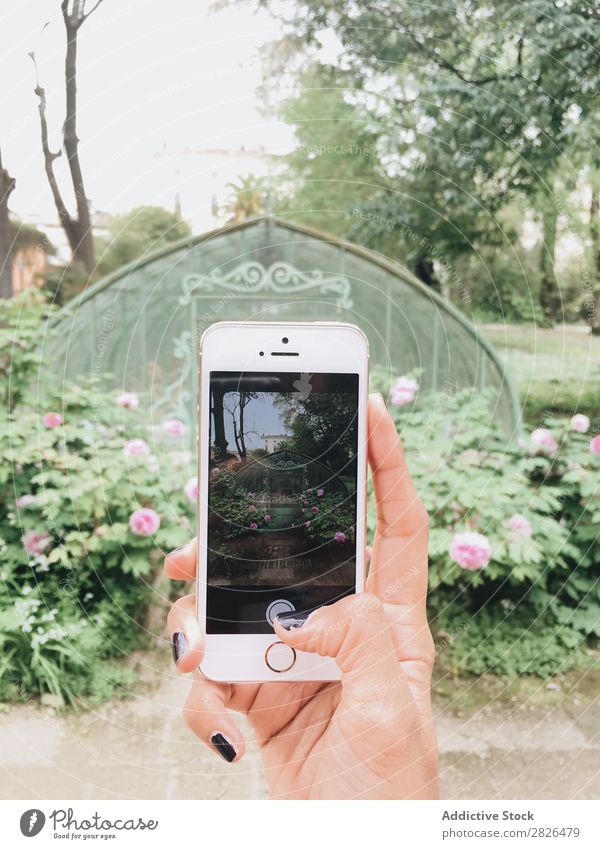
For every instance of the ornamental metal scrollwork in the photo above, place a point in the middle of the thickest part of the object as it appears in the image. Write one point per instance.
(281, 278)
(287, 464)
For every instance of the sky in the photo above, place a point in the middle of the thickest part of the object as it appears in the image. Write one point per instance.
(261, 416)
(156, 79)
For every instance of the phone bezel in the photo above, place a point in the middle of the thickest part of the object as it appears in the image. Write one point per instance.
(235, 346)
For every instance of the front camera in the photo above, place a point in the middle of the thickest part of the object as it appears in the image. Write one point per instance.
(261, 353)
(285, 340)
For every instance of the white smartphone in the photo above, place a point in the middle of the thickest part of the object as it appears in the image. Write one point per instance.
(282, 489)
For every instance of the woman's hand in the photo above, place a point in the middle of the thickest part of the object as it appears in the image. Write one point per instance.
(370, 735)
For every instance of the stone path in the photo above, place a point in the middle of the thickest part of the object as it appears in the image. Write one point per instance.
(141, 748)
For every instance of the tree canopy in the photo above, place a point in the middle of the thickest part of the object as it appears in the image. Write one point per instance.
(470, 108)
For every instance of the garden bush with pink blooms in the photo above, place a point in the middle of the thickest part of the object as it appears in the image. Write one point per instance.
(89, 502)
(91, 498)
(514, 533)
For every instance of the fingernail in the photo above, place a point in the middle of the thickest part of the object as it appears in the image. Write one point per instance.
(289, 621)
(223, 747)
(379, 397)
(179, 645)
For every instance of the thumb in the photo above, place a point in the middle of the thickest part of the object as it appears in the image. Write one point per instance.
(356, 633)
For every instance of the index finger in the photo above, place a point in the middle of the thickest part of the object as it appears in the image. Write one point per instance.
(180, 565)
(398, 570)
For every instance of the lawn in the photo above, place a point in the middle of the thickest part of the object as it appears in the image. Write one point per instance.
(556, 371)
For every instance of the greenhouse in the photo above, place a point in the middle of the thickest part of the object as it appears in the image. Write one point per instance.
(139, 328)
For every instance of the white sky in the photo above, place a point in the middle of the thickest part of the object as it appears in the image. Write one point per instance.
(153, 75)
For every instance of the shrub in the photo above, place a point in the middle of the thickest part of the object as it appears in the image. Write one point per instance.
(537, 512)
(77, 571)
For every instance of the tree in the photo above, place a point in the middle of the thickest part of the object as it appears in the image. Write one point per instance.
(7, 185)
(236, 409)
(334, 166)
(137, 233)
(247, 198)
(322, 426)
(78, 228)
(501, 84)
(379, 179)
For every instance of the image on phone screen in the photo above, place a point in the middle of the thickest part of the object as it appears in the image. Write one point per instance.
(281, 496)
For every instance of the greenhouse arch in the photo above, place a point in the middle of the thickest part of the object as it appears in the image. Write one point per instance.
(141, 324)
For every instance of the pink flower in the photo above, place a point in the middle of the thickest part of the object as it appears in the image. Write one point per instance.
(136, 447)
(543, 442)
(309, 491)
(129, 400)
(52, 420)
(191, 489)
(174, 426)
(252, 508)
(267, 517)
(26, 500)
(307, 524)
(253, 526)
(314, 509)
(470, 550)
(580, 423)
(144, 522)
(320, 492)
(403, 391)
(595, 445)
(36, 542)
(520, 527)
(339, 536)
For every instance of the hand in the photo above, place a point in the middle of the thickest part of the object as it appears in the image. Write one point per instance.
(370, 735)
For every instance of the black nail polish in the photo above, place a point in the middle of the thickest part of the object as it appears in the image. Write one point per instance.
(223, 747)
(179, 645)
(293, 620)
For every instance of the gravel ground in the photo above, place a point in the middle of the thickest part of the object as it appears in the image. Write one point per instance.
(140, 748)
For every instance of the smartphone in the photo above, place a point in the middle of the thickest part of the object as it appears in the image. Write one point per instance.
(282, 489)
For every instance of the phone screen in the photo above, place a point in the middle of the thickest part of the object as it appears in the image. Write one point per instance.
(282, 496)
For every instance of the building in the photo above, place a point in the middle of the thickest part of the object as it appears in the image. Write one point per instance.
(272, 442)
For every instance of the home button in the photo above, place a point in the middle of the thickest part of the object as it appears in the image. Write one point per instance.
(279, 657)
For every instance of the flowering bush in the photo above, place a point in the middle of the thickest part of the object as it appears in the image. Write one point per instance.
(89, 501)
(327, 516)
(234, 511)
(515, 531)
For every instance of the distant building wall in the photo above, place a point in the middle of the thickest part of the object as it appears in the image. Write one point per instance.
(271, 442)
(28, 268)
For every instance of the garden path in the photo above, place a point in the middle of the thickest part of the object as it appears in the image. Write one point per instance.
(141, 748)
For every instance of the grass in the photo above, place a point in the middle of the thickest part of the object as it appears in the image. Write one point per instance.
(463, 693)
(557, 371)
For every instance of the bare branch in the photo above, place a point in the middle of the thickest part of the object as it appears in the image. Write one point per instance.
(86, 15)
(50, 156)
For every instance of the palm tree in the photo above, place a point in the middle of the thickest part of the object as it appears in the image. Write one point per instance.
(246, 198)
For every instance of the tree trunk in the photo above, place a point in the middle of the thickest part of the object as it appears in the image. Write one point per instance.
(220, 440)
(78, 228)
(550, 301)
(7, 185)
(425, 271)
(591, 306)
(83, 249)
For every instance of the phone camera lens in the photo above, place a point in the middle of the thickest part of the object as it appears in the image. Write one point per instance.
(261, 353)
(285, 340)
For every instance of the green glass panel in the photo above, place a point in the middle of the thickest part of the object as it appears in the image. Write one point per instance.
(141, 326)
